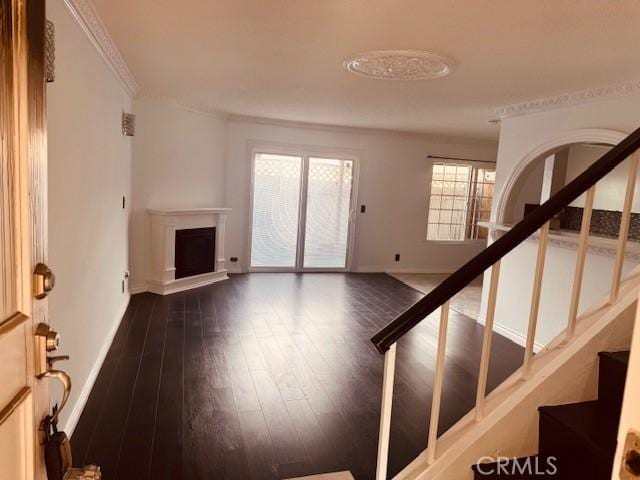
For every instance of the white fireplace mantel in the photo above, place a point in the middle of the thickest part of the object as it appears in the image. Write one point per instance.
(164, 223)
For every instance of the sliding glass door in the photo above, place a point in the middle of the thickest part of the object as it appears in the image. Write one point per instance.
(328, 209)
(301, 218)
(276, 210)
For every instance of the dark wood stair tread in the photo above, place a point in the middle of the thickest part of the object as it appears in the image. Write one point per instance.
(580, 436)
(612, 375)
(596, 427)
(621, 357)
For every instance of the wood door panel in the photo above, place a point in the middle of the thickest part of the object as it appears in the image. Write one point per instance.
(17, 439)
(24, 400)
(13, 363)
(8, 273)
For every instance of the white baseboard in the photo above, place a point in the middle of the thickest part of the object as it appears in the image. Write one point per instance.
(164, 290)
(77, 409)
(187, 283)
(431, 271)
(393, 270)
(138, 289)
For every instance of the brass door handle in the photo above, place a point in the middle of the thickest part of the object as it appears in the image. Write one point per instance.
(57, 358)
(66, 384)
(47, 340)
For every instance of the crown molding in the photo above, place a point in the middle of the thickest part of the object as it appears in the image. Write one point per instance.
(86, 15)
(210, 112)
(273, 122)
(569, 99)
(360, 130)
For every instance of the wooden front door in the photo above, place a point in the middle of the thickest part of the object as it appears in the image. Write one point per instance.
(627, 460)
(24, 399)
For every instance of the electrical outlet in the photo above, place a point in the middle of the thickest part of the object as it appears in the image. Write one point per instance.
(124, 202)
(363, 208)
(233, 259)
(397, 257)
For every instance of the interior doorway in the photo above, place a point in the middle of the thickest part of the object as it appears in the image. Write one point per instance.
(301, 215)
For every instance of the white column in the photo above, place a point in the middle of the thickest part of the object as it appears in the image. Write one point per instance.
(220, 235)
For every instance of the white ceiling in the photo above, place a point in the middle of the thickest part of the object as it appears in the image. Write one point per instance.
(282, 59)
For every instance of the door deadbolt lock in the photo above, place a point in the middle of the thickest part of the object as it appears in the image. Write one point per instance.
(43, 281)
(47, 340)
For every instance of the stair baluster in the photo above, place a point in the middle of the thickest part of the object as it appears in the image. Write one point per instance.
(385, 412)
(483, 373)
(583, 243)
(386, 339)
(535, 300)
(624, 226)
(437, 384)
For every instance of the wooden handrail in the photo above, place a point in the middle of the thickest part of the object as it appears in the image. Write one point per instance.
(506, 243)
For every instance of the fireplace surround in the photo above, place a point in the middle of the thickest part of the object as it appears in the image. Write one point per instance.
(180, 258)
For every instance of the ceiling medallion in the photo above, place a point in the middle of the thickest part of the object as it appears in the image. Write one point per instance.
(399, 65)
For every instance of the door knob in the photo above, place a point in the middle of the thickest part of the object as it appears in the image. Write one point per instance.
(43, 281)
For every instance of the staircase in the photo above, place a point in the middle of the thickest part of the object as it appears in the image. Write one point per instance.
(581, 435)
(576, 440)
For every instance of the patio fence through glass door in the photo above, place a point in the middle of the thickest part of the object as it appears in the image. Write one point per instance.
(301, 212)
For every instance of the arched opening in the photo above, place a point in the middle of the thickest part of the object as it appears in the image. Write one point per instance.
(550, 166)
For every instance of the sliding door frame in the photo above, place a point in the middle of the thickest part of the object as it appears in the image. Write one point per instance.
(305, 152)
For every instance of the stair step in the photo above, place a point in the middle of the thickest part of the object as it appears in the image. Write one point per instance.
(611, 379)
(579, 439)
(536, 467)
(582, 434)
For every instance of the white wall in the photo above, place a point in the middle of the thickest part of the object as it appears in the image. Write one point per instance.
(516, 284)
(518, 136)
(179, 162)
(527, 189)
(89, 173)
(393, 181)
(611, 189)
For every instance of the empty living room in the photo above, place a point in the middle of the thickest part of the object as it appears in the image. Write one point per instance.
(320, 240)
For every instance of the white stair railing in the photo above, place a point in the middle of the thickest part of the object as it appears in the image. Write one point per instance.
(432, 452)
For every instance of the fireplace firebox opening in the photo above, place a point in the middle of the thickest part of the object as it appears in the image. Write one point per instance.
(195, 251)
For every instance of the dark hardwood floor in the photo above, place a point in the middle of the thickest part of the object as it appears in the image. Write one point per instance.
(270, 376)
